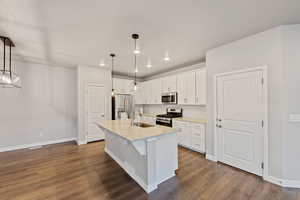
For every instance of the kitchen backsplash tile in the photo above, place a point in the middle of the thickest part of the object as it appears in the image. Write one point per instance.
(196, 112)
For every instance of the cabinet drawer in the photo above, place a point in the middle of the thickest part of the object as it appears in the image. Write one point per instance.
(198, 143)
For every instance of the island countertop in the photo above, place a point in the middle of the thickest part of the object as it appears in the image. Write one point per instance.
(124, 129)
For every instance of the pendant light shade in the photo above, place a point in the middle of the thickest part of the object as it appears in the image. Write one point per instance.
(112, 55)
(8, 79)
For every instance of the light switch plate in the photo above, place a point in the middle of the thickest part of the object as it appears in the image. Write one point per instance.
(294, 117)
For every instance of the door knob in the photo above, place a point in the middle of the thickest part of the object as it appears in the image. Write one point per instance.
(219, 126)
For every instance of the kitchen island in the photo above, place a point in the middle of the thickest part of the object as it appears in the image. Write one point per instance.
(147, 153)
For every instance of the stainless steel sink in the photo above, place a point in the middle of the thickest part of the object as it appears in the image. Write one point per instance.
(143, 125)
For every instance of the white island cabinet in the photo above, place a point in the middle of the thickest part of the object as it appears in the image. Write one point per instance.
(148, 155)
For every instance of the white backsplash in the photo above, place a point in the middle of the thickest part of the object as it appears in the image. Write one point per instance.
(196, 112)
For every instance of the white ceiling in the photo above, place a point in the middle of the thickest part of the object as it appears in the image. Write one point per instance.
(74, 32)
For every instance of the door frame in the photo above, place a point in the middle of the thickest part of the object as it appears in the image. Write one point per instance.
(87, 84)
(264, 70)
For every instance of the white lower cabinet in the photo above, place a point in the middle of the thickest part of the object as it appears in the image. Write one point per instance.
(191, 135)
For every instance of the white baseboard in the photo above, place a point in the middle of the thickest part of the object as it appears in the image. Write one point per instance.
(25, 146)
(291, 183)
(283, 182)
(274, 180)
(211, 157)
(80, 142)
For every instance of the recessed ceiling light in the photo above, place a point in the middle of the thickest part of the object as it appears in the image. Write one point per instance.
(136, 51)
(102, 64)
(149, 65)
(167, 58)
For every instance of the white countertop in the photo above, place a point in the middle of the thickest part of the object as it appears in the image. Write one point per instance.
(124, 129)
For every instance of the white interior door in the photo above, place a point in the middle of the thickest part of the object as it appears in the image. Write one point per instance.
(239, 120)
(95, 111)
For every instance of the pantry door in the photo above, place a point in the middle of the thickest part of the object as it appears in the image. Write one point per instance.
(240, 115)
(95, 111)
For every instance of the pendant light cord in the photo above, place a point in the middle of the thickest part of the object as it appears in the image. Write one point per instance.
(112, 69)
(10, 61)
(4, 53)
(135, 63)
(112, 55)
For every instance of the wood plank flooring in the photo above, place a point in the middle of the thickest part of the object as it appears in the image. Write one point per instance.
(70, 172)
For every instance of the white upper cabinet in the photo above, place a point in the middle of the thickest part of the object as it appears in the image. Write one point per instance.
(169, 84)
(156, 90)
(122, 86)
(139, 95)
(201, 87)
(186, 88)
(190, 86)
(152, 91)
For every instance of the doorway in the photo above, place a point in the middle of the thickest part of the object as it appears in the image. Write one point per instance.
(241, 120)
(95, 111)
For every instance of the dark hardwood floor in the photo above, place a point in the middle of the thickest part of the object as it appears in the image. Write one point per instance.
(67, 171)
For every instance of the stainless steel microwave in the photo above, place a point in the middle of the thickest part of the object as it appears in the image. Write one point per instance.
(169, 98)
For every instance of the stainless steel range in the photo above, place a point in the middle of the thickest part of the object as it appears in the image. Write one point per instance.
(166, 119)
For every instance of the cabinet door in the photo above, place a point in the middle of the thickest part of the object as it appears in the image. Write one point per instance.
(180, 136)
(156, 91)
(198, 137)
(139, 95)
(186, 135)
(186, 88)
(146, 92)
(190, 87)
(169, 84)
(201, 87)
(172, 83)
(181, 89)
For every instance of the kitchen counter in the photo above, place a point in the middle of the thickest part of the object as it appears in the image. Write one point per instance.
(124, 129)
(203, 121)
(149, 155)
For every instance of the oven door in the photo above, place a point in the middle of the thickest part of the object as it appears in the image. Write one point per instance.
(164, 122)
(169, 98)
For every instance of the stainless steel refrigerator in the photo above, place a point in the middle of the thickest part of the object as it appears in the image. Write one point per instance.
(121, 106)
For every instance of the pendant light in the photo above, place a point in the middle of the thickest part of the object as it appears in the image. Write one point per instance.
(112, 68)
(135, 37)
(8, 79)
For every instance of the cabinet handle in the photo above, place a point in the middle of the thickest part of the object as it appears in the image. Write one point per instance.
(196, 99)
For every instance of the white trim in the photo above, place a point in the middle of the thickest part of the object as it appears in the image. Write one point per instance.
(291, 183)
(211, 157)
(264, 70)
(283, 182)
(25, 146)
(274, 180)
(79, 142)
(191, 148)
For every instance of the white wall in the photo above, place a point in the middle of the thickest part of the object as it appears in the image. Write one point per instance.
(43, 110)
(291, 76)
(86, 74)
(257, 50)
